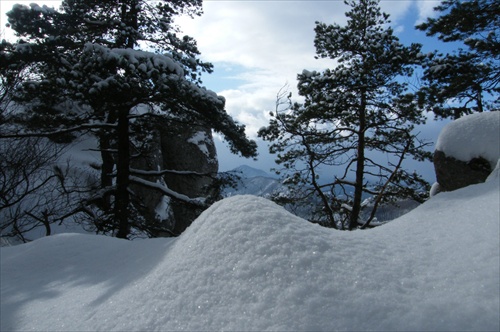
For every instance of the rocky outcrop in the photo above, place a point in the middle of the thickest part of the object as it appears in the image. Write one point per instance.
(189, 148)
(156, 216)
(181, 148)
(452, 174)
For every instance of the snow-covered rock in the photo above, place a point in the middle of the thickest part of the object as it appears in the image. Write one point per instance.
(247, 264)
(467, 150)
(472, 136)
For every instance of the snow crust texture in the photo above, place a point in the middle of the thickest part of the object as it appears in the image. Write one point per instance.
(247, 264)
(472, 136)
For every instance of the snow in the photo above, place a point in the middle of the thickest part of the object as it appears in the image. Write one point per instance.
(247, 264)
(147, 62)
(472, 136)
(435, 189)
(44, 9)
(201, 140)
(495, 174)
(162, 210)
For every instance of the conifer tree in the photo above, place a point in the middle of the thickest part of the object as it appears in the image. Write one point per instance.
(100, 66)
(352, 114)
(466, 80)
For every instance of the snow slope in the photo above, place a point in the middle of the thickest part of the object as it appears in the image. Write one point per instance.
(247, 264)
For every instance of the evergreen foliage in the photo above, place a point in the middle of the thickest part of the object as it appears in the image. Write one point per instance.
(352, 114)
(467, 80)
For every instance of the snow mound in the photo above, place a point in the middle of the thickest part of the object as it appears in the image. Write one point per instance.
(247, 264)
(472, 136)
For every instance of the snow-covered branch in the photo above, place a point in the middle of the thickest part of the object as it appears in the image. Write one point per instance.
(166, 171)
(59, 131)
(199, 201)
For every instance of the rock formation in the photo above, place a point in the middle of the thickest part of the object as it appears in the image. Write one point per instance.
(185, 148)
(452, 174)
(190, 148)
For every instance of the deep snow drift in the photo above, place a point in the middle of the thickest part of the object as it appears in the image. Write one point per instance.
(247, 264)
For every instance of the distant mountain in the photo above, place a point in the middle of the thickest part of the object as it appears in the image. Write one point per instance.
(248, 172)
(253, 181)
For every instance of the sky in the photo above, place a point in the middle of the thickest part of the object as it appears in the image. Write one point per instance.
(257, 47)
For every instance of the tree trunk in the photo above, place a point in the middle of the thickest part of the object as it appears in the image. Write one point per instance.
(129, 17)
(122, 175)
(108, 164)
(46, 223)
(479, 99)
(108, 161)
(360, 165)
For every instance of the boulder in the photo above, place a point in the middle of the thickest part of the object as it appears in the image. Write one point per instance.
(467, 150)
(452, 174)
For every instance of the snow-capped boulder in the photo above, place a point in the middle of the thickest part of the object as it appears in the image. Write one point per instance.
(467, 150)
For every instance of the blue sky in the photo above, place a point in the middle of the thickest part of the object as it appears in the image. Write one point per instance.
(259, 46)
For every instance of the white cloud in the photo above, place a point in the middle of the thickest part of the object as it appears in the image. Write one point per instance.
(249, 107)
(260, 34)
(426, 9)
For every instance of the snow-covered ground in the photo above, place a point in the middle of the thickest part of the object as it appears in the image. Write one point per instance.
(247, 264)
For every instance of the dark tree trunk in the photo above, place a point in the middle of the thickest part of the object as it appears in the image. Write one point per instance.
(108, 163)
(129, 17)
(46, 223)
(479, 99)
(360, 165)
(122, 175)
(106, 148)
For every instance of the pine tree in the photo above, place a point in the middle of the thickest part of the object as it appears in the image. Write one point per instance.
(89, 71)
(466, 80)
(352, 112)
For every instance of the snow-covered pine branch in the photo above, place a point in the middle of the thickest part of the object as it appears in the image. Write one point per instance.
(52, 133)
(166, 171)
(199, 201)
